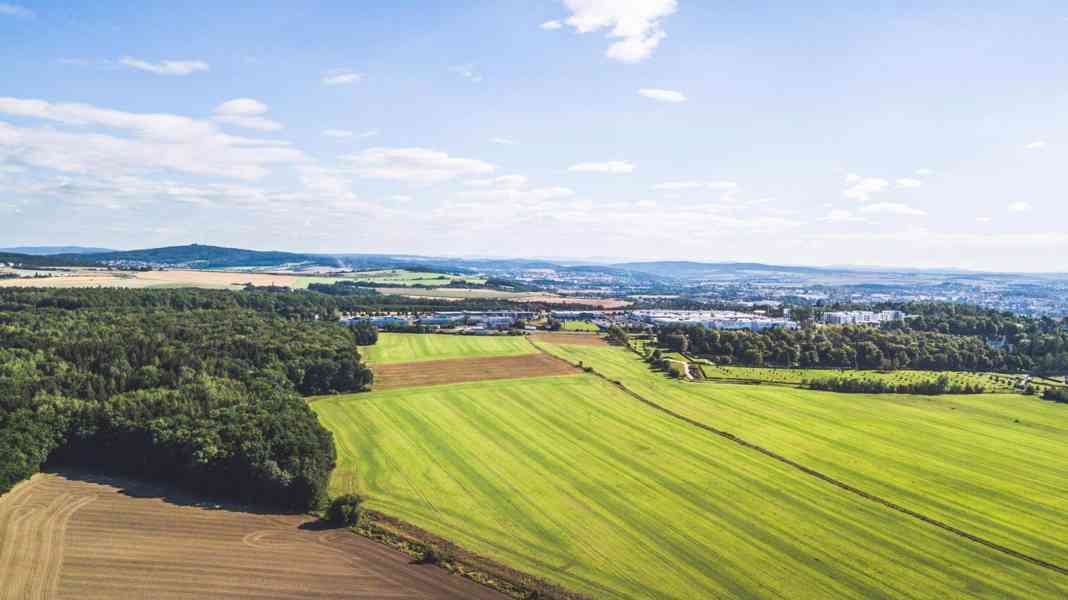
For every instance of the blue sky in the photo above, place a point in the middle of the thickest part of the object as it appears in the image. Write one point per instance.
(897, 133)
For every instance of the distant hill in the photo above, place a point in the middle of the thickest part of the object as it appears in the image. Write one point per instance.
(53, 250)
(699, 270)
(208, 257)
(32, 260)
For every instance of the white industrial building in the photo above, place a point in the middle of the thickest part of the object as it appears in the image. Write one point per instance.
(718, 319)
(862, 317)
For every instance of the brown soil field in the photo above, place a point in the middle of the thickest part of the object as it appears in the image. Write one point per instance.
(76, 536)
(575, 339)
(461, 370)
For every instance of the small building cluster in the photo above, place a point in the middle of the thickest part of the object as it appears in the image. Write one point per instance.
(446, 319)
(862, 317)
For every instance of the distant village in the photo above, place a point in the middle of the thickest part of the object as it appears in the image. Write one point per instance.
(494, 321)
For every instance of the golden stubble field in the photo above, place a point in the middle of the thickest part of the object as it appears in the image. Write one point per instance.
(89, 278)
(75, 536)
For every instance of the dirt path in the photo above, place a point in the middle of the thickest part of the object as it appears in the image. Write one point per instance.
(461, 370)
(835, 482)
(82, 537)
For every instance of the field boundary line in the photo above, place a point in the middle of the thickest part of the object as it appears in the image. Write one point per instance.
(831, 480)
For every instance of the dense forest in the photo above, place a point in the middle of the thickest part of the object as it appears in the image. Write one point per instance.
(937, 337)
(202, 388)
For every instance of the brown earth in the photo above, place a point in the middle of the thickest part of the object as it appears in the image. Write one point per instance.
(574, 339)
(460, 370)
(84, 537)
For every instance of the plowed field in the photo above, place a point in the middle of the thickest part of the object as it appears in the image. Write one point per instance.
(77, 537)
(461, 370)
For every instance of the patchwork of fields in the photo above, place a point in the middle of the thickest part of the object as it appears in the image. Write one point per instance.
(82, 537)
(572, 479)
(176, 278)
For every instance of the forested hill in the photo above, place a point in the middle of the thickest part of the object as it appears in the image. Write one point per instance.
(205, 257)
(34, 260)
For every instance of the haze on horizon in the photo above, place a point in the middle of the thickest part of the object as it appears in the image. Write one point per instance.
(894, 135)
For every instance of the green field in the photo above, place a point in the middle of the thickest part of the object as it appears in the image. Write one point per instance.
(579, 326)
(571, 479)
(995, 465)
(401, 277)
(414, 347)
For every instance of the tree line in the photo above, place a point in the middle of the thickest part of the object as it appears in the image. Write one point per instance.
(202, 388)
(863, 347)
(855, 385)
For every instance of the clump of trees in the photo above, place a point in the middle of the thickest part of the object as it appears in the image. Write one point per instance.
(857, 385)
(345, 511)
(200, 388)
(1056, 395)
(366, 334)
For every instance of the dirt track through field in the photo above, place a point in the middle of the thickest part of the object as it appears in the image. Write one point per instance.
(831, 480)
(80, 537)
(461, 370)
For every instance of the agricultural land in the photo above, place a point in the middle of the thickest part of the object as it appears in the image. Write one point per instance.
(78, 536)
(626, 490)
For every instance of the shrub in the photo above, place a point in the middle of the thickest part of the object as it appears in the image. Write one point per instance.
(344, 511)
(436, 555)
(1060, 396)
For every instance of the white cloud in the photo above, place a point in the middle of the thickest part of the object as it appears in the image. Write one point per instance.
(342, 77)
(662, 95)
(468, 72)
(983, 219)
(1035, 145)
(504, 181)
(166, 67)
(924, 172)
(415, 165)
(612, 166)
(14, 10)
(646, 204)
(909, 183)
(1020, 207)
(862, 188)
(504, 141)
(635, 23)
(550, 25)
(893, 208)
(245, 112)
(337, 133)
(678, 186)
(840, 215)
(153, 141)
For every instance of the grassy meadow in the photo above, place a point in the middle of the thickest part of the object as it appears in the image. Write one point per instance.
(995, 465)
(583, 326)
(572, 479)
(415, 347)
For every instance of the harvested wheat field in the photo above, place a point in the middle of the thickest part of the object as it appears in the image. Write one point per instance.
(79, 537)
(574, 339)
(461, 370)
